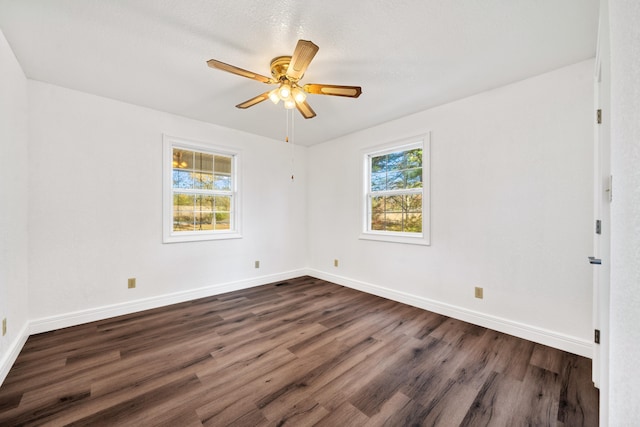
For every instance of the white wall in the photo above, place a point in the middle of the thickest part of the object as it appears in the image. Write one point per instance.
(95, 211)
(511, 183)
(13, 214)
(624, 387)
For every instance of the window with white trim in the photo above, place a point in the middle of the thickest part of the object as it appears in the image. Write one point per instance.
(200, 191)
(396, 197)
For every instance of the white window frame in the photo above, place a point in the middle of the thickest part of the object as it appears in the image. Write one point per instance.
(423, 238)
(170, 236)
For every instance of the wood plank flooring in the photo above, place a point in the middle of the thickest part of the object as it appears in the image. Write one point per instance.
(297, 353)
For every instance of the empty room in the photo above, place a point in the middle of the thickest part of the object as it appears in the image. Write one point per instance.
(328, 213)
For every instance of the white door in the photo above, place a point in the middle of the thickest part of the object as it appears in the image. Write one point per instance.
(601, 230)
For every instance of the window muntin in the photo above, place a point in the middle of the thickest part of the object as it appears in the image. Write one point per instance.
(201, 201)
(396, 197)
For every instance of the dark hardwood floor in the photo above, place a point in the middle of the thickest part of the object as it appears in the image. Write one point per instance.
(302, 352)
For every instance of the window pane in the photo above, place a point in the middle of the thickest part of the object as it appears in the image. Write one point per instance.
(183, 201)
(182, 179)
(207, 181)
(378, 181)
(222, 164)
(204, 203)
(182, 221)
(395, 161)
(394, 204)
(413, 158)
(395, 180)
(377, 204)
(183, 212)
(203, 181)
(377, 221)
(393, 222)
(413, 222)
(204, 162)
(222, 203)
(182, 159)
(222, 182)
(413, 203)
(379, 163)
(204, 221)
(413, 178)
(223, 220)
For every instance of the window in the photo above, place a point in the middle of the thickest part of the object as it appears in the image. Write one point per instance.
(200, 192)
(396, 197)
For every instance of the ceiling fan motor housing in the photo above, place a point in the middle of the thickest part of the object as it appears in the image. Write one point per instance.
(279, 66)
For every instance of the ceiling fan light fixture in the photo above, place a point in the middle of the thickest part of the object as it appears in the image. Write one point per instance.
(274, 97)
(298, 94)
(289, 104)
(284, 91)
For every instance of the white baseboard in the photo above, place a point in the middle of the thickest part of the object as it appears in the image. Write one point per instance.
(9, 358)
(554, 339)
(91, 315)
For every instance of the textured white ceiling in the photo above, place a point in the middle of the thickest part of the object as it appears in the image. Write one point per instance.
(408, 55)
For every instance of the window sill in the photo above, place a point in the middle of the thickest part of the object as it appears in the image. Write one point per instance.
(198, 237)
(405, 238)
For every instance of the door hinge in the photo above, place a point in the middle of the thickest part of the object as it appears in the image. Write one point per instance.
(599, 116)
(598, 226)
(596, 336)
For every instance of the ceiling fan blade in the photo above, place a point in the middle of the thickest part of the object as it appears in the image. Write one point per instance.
(305, 109)
(302, 56)
(238, 71)
(253, 101)
(335, 90)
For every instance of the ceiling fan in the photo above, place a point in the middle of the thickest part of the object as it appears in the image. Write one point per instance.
(286, 72)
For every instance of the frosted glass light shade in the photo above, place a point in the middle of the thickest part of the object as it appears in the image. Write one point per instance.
(273, 96)
(284, 91)
(298, 94)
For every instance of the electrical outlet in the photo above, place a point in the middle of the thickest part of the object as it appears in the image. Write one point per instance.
(4, 326)
(335, 262)
(479, 292)
(131, 283)
(256, 264)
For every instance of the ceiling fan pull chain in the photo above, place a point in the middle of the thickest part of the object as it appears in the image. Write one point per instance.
(293, 139)
(286, 130)
(286, 138)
